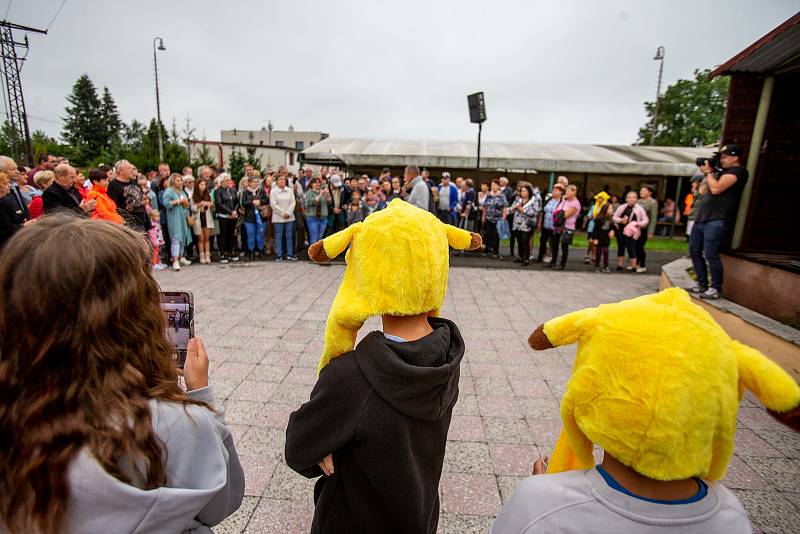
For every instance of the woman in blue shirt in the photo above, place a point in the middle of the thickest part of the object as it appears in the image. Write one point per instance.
(547, 222)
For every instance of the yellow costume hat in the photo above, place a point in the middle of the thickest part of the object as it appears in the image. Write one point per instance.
(599, 199)
(397, 264)
(657, 383)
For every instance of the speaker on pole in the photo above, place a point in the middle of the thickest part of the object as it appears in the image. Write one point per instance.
(477, 108)
(477, 114)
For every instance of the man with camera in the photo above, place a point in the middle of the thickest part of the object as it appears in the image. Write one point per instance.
(721, 190)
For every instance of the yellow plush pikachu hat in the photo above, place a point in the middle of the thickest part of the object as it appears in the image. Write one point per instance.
(657, 383)
(397, 264)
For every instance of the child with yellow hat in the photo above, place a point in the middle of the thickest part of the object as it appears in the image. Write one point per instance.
(377, 420)
(656, 384)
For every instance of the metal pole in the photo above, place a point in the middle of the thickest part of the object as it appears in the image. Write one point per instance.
(480, 125)
(158, 101)
(677, 207)
(659, 56)
(752, 159)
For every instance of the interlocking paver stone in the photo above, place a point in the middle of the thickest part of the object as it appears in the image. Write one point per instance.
(265, 337)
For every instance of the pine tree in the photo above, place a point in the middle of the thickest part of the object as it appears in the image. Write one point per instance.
(83, 125)
(253, 159)
(236, 163)
(112, 124)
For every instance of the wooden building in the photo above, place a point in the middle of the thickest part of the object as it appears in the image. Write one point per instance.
(763, 116)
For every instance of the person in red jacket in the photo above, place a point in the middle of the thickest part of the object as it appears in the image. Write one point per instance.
(106, 209)
(43, 180)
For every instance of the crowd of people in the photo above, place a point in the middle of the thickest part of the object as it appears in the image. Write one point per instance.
(215, 216)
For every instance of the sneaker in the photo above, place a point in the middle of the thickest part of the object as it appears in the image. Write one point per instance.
(548, 265)
(640, 270)
(184, 261)
(159, 266)
(696, 290)
(279, 259)
(235, 258)
(176, 265)
(629, 269)
(223, 261)
(606, 270)
(547, 259)
(597, 269)
(560, 267)
(291, 258)
(619, 269)
(518, 260)
(710, 294)
(526, 263)
(586, 259)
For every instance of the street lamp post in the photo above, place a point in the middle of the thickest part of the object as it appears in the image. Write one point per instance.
(658, 57)
(158, 102)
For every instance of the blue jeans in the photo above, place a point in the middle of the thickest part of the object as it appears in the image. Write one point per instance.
(316, 228)
(176, 248)
(284, 229)
(255, 235)
(706, 238)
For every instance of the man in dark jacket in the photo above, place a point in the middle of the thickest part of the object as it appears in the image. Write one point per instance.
(62, 195)
(383, 410)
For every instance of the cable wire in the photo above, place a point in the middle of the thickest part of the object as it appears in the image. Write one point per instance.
(56, 15)
(8, 8)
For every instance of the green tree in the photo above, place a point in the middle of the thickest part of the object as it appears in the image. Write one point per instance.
(109, 115)
(83, 126)
(236, 163)
(43, 144)
(690, 112)
(202, 156)
(7, 138)
(252, 159)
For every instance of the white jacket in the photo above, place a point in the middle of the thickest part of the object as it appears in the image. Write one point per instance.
(282, 201)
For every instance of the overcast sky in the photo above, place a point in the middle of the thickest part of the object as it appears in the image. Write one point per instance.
(552, 71)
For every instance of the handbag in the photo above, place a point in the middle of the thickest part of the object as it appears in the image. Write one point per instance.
(559, 218)
(503, 231)
(567, 236)
(190, 221)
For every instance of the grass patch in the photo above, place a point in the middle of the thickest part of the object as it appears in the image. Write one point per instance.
(655, 243)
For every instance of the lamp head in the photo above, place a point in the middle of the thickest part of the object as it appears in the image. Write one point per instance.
(659, 53)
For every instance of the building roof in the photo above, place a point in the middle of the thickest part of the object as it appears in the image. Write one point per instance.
(776, 53)
(542, 157)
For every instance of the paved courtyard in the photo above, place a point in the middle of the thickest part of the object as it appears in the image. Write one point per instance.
(263, 326)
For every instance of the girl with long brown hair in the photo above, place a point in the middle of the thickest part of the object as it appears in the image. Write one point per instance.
(95, 433)
(202, 209)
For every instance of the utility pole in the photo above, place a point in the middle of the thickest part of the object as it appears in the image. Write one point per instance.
(21, 146)
(161, 46)
(658, 57)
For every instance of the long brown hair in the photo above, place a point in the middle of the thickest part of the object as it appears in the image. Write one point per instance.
(82, 350)
(197, 196)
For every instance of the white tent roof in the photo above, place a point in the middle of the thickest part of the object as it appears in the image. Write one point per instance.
(542, 157)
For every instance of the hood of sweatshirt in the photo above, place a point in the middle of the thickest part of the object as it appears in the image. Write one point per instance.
(417, 378)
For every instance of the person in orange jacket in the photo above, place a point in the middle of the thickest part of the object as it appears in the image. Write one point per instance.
(106, 208)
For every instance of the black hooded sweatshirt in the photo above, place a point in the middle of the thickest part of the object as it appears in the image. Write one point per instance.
(383, 410)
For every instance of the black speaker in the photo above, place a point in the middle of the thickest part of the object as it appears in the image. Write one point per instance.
(477, 108)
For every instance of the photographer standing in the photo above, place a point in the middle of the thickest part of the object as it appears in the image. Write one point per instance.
(720, 192)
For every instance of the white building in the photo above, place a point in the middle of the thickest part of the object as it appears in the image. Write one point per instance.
(267, 136)
(271, 147)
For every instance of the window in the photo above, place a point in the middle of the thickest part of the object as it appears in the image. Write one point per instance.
(278, 143)
(298, 145)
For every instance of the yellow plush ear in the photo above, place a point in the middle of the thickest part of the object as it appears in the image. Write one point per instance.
(573, 449)
(767, 380)
(569, 328)
(330, 247)
(461, 239)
